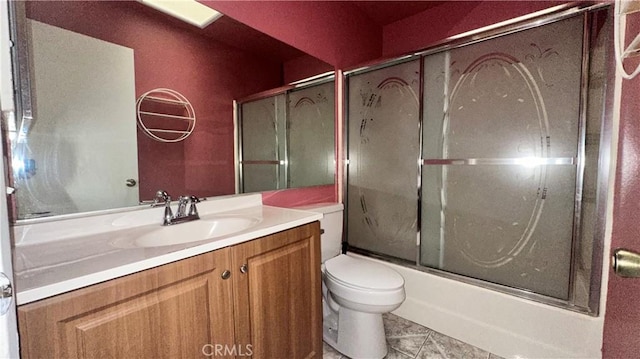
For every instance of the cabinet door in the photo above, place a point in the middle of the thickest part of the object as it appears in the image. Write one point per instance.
(179, 310)
(278, 298)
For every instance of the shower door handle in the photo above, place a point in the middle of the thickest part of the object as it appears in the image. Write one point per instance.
(626, 263)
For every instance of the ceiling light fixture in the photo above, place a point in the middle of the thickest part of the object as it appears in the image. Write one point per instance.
(189, 11)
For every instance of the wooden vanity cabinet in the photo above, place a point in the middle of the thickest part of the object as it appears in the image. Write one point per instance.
(170, 311)
(186, 309)
(277, 294)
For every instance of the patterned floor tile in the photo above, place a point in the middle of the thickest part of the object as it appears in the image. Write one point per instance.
(407, 345)
(394, 354)
(329, 353)
(408, 340)
(439, 346)
(395, 326)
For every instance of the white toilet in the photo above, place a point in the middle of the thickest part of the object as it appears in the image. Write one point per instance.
(355, 292)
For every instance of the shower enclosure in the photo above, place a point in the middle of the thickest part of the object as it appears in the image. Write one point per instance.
(480, 161)
(285, 137)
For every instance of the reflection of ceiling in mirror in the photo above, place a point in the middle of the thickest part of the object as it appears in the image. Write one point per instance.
(386, 12)
(236, 34)
(233, 33)
(225, 30)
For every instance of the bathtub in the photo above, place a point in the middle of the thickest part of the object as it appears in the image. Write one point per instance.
(508, 326)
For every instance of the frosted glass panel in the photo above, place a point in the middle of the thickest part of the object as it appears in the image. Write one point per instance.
(258, 178)
(260, 130)
(383, 127)
(514, 96)
(311, 119)
(263, 125)
(513, 99)
(509, 225)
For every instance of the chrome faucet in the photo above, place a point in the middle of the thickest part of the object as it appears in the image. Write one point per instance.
(182, 206)
(181, 216)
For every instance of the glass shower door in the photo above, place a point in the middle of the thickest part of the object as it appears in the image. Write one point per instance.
(311, 130)
(384, 145)
(263, 125)
(501, 158)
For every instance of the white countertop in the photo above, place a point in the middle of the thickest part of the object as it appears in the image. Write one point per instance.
(60, 256)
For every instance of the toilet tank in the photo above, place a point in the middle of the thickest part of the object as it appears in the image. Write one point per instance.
(331, 223)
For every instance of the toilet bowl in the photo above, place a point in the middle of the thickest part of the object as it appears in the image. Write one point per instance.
(362, 291)
(356, 293)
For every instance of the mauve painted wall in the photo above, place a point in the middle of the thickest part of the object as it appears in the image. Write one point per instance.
(455, 17)
(304, 67)
(210, 74)
(622, 315)
(333, 31)
(300, 196)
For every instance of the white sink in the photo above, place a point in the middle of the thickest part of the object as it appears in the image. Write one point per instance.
(199, 230)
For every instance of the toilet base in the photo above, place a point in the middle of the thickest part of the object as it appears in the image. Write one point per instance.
(359, 335)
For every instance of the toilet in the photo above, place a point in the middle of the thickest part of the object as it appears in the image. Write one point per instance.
(355, 292)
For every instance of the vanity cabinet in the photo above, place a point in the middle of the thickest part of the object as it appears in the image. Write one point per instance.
(277, 294)
(261, 298)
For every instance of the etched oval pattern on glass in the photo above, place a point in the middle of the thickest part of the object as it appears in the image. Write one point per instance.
(497, 92)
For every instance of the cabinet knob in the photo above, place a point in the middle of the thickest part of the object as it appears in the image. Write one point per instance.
(244, 268)
(226, 274)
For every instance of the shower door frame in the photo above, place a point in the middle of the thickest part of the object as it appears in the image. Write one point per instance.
(545, 17)
(283, 153)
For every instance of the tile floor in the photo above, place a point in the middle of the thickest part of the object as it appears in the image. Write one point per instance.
(408, 340)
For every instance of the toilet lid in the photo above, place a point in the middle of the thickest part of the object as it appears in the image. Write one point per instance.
(363, 274)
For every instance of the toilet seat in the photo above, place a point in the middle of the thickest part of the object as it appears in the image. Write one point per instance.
(362, 275)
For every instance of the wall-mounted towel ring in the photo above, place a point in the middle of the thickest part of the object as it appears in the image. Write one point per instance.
(622, 8)
(165, 115)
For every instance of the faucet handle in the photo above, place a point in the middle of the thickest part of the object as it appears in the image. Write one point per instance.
(193, 210)
(162, 197)
(162, 194)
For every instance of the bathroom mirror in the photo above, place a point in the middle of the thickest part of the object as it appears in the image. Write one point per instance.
(286, 138)
(76, 148)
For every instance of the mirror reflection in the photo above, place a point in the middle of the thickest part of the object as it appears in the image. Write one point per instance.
(287, 139)
(88, 62)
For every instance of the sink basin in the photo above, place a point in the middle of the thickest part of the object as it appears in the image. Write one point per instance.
(198, 230)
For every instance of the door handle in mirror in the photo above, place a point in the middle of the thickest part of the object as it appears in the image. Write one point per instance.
(626, 263)
(6, 293)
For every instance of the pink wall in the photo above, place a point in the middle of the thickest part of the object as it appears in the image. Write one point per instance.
(299, 196)
(304, 67)
(451, 18)
(332, 31)
(622, 315)
(210, 74)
